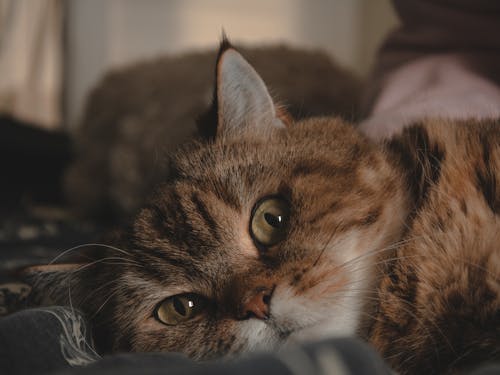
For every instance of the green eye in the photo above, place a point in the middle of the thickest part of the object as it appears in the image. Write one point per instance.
(270, 221)
(180, 308)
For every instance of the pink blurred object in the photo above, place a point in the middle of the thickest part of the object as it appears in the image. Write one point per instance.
(444, 61)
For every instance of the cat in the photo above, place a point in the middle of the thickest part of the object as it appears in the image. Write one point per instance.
(273, 231)
(138, 113)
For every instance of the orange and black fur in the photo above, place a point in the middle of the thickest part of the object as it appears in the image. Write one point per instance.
(438, 304)
(273, 231)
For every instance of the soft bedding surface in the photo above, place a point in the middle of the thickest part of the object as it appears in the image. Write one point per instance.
(56, 340)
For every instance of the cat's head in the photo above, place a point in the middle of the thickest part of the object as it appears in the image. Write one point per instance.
(267, 232)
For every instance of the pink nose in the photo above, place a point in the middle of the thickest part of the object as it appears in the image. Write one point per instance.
(258, 305)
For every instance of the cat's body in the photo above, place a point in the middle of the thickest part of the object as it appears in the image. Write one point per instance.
(439, 302)
(273, 232)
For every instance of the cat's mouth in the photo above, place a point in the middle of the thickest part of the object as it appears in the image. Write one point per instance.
(298, 317)
(290, 313)
(275, 333)
(295, 333)
(280, 330)
(289, 328)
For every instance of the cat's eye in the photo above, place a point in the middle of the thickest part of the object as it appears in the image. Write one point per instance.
(269, 223)
(180, 308)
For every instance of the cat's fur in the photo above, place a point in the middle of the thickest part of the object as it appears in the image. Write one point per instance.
(397, 243)
(138, 113)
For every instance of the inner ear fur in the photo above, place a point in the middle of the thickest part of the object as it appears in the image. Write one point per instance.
(241, 101)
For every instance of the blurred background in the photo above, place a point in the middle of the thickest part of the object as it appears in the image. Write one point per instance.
(93, 92)
(53, 51)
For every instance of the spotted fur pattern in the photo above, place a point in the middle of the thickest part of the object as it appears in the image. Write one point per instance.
(396, 242)
(438, 305)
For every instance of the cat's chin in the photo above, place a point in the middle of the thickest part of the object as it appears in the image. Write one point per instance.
(327, 328)
(285, 333)
(300, 318)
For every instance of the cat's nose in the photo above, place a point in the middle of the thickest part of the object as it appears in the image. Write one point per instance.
(257, 305)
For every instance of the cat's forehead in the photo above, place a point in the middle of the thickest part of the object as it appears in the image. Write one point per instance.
(205, 210)
(231, 173)
(258, 157)
(194, 220)
(226, 156)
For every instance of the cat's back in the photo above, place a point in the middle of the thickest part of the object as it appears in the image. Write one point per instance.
(440, 299)
(453, 170)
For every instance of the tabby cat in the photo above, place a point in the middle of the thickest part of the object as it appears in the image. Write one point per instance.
(272, 231)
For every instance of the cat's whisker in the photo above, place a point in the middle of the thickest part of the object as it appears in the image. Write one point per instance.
(421, 324)
(409, 312)
(432, 316)
(475, 265)
(97, 290)
(460, 259)
(125, 261)
(371, 316)
(354, 266)
(83, 246)
(69, 275)
(326, 245)
(104, 303)
(376, 252)
(371, 253)
(70, 299)
(431, 320)
(376, 292)
(460, 357)
(411, 358)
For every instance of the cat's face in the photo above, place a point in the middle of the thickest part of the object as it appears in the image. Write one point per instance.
(277, 243)
(269, 233)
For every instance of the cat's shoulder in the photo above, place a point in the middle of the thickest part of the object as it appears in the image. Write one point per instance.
(460, 156)
(447, 133)
(444, 277)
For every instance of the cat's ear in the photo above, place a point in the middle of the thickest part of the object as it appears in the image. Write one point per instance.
(49, 283)
(241, 100)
